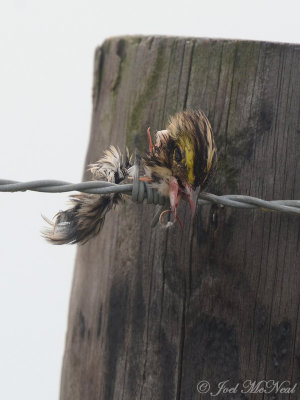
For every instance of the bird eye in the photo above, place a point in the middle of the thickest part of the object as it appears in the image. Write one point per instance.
(177, 155)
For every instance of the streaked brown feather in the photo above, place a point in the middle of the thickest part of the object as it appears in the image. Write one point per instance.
(86, 216)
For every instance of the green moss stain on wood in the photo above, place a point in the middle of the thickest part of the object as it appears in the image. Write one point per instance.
(151, 85)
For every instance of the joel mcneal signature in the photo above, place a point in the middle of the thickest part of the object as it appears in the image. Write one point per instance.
(248, 386)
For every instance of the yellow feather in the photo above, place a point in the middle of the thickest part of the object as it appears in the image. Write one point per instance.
(188, 149)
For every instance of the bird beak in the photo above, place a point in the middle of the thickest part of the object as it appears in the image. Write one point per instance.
(191, 195)
(174, 195)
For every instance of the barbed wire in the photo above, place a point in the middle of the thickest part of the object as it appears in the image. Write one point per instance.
(140, 190)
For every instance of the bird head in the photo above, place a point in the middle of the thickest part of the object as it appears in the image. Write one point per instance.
(184, 156)
(192, 152)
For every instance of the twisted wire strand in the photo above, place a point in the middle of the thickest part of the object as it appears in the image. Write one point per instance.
(140, 191)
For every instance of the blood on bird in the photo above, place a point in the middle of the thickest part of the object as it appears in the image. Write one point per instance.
(151, 147)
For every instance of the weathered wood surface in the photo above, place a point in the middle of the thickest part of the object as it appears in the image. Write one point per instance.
(155, 311)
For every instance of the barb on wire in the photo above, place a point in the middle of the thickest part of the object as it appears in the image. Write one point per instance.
(141, 190)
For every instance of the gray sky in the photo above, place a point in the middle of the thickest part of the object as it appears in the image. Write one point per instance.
(46, 62)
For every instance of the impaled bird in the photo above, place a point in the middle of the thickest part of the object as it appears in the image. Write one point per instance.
(182, 159)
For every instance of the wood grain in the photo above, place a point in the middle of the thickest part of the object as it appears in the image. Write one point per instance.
(155, 311)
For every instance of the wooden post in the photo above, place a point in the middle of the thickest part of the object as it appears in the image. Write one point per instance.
(155, 311)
